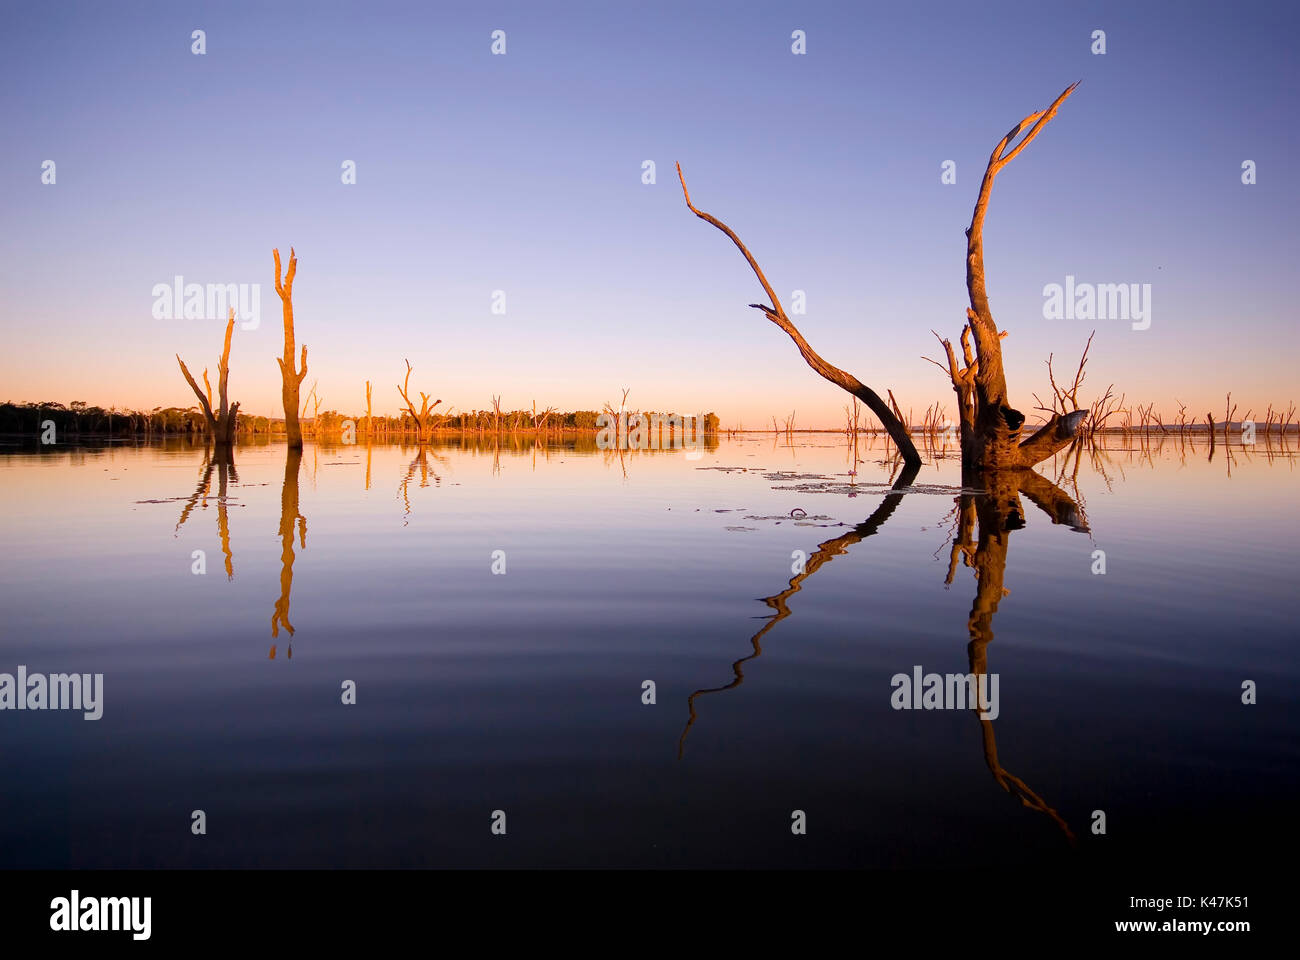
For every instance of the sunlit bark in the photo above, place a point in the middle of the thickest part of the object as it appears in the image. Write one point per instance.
(892, 423)
(223, 421)
(290, 378)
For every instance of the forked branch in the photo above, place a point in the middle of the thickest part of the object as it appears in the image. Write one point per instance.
(1002, 154)
(421, 418)
(222, 420)
(996, 440)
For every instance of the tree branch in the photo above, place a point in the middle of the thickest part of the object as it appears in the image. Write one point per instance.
(776, 313)
(203, 401)
(1052, 436)
(985, 329)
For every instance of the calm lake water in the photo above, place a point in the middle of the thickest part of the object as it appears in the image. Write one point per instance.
(522, 691)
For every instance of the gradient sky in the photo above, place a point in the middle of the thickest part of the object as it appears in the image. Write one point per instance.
(523, 173)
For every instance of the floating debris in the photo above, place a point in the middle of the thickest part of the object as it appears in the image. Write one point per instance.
(853, 489)
(823, 483)
(210, 496)
(791, 475)
(803, 520)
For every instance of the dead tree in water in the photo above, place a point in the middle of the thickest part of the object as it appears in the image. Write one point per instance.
(222, 421)
(291, 378)
(990, 426)
(991, 438)
(776, 313)
(539, 426)
(422, 418)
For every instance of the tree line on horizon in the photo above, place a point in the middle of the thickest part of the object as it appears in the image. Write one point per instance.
(81, 418)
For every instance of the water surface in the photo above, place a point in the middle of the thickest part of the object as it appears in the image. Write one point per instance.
(522, 691)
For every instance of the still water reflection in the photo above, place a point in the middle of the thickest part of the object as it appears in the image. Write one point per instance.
(500, 608)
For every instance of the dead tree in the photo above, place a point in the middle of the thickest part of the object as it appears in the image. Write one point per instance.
(291, 378)
(776, 313)
(422, 418)
(307, 403)
(990, 427)
(539, 426)
(223, 421)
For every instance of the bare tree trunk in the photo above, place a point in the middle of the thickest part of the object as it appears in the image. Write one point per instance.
(990, 426)
(221, 422)
(290, 377)
(422, 418)
(776, 313)
(227, 416)
(206, 406)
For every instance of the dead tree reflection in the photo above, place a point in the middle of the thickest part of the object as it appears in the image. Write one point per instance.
(419, 465)
(222, 461)
(289, 516)
(984, 524)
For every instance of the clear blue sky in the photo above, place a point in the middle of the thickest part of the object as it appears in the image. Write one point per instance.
(523, 173)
